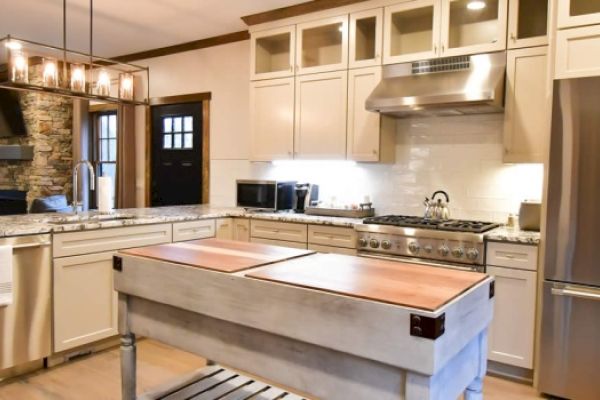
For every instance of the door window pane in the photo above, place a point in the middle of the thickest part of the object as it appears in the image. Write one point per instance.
(167, 125)
(188, 124)
(322, 45)
(112, 150)
(412, 31)
(167, 141)
(177, 124)
(177, 141)
(112, 126)
(188, 141)
(103, 126)
(473, 25)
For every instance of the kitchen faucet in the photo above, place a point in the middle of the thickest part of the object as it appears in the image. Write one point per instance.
(76, 202)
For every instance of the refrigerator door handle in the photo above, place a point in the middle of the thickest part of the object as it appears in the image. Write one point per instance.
(577, 291)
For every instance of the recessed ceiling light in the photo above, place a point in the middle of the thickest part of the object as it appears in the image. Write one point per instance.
(476, 5)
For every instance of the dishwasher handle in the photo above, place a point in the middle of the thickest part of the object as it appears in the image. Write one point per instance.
(31, 245)
(576, 291)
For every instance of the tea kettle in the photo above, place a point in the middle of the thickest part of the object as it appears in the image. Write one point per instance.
(436, 208)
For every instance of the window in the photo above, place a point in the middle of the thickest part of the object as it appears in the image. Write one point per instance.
(178, 133)
(104, 147)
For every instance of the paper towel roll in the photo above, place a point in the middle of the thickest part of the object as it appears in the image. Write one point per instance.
(105, 194)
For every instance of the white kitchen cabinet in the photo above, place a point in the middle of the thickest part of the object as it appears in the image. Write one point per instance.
(512, 255)
(331, 249)
(526, 131)
(241, 229)
(578, 13)
(272, 53)
(332, 236)
(322, 45)
(282, 243)
(577, 52)
(272, 119)
(224, 228)
(511, 335)
(85, 302)
(275, 230)
(366, 38)
(363, 127)
(193, 230)
(471, 31)
(527, 23)
(412, 31)
(320, 131)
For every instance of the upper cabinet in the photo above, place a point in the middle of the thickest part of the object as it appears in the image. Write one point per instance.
(272, 53)
(527, 23)
(578, 13)
(412, 31)
(366, 38)
(424, 29)
(322, 46)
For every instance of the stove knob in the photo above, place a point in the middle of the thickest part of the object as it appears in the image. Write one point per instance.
(414, 247)
(362, 242)
(458, 252)
(428, 249)
(472, 254)
(374, 243)
(386, 244)
(443, 250)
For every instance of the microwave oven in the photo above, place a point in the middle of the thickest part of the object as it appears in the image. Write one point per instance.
(266, 195)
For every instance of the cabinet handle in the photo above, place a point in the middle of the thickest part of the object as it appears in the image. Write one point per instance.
(31, 245)
(443, 49)
(513, 37)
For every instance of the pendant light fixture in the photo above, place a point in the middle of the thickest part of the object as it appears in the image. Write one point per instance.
(34, 66)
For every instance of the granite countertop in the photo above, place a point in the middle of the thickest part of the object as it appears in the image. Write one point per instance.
(513, 235)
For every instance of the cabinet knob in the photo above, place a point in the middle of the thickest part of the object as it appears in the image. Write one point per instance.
(513, 37)
(374, 151)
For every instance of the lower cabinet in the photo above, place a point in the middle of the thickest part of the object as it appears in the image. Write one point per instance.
(282, 243)
(511, 338)
(331, 249)
(224, 228)
(241, 229)
(85, 303)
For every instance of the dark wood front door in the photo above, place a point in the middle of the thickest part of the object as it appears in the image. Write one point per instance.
(176, 154)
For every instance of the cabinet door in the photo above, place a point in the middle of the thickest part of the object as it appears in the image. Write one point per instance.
(471, 27)
(578, 13)
(241, 229)
(526, 129)
(577, 53)
(512, 330)
(366, 37)
(321, 116)
(272, 53)
(411, 31)
(527, 23)
(224, 228)
(85, 302)
(363, 126)
(272, 119)
(193, 230)
(322, 45)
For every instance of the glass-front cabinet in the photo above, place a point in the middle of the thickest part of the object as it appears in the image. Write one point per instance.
(578, 13)
(473, 26)
(527, 23)
(322, 46)
(272, 53)
(412, 31)
(366, 34)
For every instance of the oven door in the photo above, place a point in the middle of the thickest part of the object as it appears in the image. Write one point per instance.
(412, 260)
(261, 195)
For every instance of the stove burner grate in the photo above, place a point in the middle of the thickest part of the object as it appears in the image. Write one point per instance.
(419, 222)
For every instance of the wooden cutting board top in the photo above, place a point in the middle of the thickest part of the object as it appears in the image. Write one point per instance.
(412, 285)
(218, 255)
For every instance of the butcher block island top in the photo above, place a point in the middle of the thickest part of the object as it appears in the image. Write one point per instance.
(331, 327)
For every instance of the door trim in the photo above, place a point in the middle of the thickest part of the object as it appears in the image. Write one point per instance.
(204, 98)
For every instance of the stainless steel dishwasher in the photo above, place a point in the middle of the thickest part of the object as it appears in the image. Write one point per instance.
(25, 325)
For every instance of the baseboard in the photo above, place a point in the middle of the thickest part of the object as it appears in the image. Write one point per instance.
(510, 372)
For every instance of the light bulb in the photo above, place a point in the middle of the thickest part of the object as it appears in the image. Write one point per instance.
(19, 67)
(126, 86)
(77, 78)
(50, 73)
(476, 5)
(103, 83)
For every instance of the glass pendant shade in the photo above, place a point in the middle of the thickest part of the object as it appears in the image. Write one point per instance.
(126, 86)
(78, 78)
(103, 83)
(19, 67)
(50, 73)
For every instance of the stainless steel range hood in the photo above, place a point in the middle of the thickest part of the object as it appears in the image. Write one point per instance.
(443, 86)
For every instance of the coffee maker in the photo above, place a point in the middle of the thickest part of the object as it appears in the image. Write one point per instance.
(306, 194)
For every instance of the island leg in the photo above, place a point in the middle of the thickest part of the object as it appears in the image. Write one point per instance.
(128, 351)
(475, 389)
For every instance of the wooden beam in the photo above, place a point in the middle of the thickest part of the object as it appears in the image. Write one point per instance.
(188, 46)
(183, 98)
(296, 10)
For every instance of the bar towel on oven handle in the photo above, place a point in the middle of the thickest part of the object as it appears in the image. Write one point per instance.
(6, 276)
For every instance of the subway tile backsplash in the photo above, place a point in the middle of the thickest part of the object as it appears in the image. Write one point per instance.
(461, 155)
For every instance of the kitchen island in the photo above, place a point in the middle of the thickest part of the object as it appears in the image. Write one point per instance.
(329, 326)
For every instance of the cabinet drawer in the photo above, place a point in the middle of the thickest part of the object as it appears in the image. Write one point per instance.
(193, 230)
(332, 236)
(87, 242)
(577, 53)
(512, 255)
(282, 243)
(278, 231)
(331, 249)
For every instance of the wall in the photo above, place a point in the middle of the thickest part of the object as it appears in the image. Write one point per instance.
(462, 155)
(48, 119)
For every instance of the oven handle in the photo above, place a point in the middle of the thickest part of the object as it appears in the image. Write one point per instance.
(421, 262)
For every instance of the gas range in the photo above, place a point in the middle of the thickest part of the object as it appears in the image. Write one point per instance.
(452, 243)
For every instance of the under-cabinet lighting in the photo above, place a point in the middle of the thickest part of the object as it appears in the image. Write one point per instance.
(476, 5)
(50, 73)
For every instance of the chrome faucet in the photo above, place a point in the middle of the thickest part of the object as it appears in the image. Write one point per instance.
(76, 202)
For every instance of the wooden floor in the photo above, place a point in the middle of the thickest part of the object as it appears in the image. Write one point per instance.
(97, 377)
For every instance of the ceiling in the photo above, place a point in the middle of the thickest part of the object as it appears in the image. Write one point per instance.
(128, 26)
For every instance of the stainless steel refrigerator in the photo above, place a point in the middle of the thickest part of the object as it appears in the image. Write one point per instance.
(570, 347)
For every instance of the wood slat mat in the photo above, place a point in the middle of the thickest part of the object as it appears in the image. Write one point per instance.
(218, 383)
(218, 255)
(412, 285)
